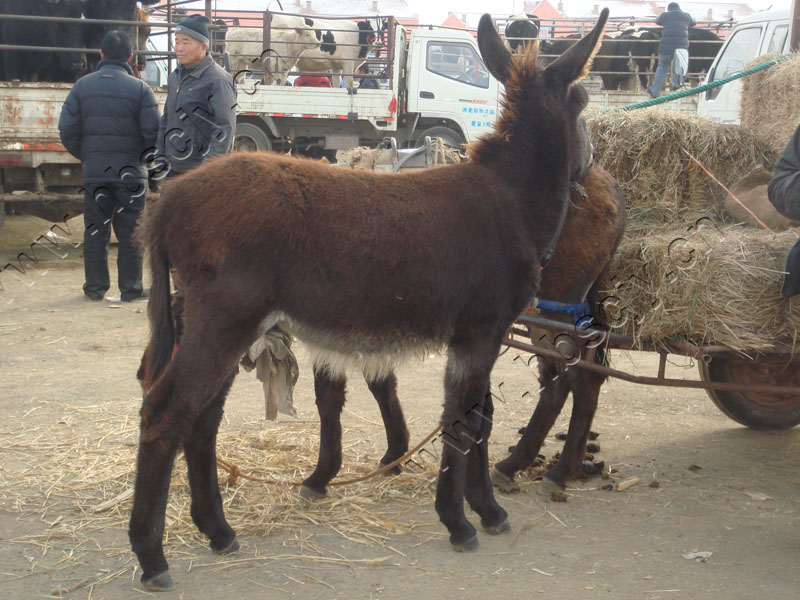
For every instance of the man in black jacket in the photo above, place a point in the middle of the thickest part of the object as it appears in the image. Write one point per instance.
(199, 119)
(674, 44)
(784, 194)
(110, 122)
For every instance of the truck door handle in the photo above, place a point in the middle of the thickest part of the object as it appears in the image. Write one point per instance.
(428, 95)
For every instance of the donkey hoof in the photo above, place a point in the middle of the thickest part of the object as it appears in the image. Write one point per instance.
(549, 488)
(503, 482)
(229, 549)
(468, 546)
(395, 470)
(308, 494)
(159, 583)
(499, 529)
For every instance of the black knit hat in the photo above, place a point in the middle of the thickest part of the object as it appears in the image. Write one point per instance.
(196, 27)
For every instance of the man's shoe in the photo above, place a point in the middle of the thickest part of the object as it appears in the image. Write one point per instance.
(140, 298)
(92, 297)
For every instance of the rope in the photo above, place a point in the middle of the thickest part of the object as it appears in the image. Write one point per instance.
(234, 472)
(704, 87)
(722, 185)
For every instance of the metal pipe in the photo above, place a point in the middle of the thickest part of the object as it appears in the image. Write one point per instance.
(80, 21)
(667, 382)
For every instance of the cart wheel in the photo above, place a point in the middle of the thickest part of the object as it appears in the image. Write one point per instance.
(757, 410)
(450, 137)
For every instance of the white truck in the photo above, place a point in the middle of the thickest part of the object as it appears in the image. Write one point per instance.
(759, 34)
(433, 83)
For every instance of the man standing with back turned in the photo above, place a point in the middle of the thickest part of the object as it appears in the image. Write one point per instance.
(199, 117)
(674, 44)
(110, 121)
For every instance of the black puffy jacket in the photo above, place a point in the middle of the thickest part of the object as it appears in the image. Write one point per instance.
(784, 187)
(675, 32)
(110, 122)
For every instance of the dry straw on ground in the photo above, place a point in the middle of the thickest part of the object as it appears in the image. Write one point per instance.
(78, 484)
(770, 103)
(644, 151)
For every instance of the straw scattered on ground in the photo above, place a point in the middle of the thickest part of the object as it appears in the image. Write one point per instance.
(770, 104)
(80, 484)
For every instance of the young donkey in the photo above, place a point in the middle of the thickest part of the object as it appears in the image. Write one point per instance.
(260, 237)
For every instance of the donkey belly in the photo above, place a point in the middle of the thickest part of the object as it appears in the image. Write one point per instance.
(374, 356)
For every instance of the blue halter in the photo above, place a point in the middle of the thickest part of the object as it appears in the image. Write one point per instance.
(581, 313)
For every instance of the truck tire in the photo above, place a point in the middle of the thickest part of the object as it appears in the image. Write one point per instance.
(251, 138)
(449, 137)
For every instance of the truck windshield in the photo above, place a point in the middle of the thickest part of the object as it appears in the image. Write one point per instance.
(741, 49)
(457, 61)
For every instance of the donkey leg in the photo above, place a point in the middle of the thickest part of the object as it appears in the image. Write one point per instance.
(199, 449)
(585, 390)
(330, 393)
(385, 392)
(554, 392)
(479, 492)
(169, 411)
(466, 383)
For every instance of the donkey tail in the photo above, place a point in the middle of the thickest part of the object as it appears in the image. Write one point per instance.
(159, 310)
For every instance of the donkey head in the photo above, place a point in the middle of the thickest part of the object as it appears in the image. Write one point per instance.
(542, 105)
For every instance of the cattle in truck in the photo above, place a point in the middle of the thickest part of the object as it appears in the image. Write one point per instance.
(26, 65)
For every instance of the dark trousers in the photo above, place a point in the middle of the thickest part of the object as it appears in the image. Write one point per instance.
(107, 205)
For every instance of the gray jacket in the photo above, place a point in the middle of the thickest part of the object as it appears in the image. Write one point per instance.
(199, 117)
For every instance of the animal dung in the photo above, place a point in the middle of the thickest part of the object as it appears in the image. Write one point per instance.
(561, 435)
(593, 447)
(593, 435)
(557, 496)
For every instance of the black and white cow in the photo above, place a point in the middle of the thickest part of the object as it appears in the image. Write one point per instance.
(343, 47)
(112, 10)
(520, 30)
(626, 54)
(42, 66)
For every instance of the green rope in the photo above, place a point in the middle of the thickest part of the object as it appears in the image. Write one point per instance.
(702, 88)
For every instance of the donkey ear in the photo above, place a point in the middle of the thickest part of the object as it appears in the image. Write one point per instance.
(493, 51)
(576, 61)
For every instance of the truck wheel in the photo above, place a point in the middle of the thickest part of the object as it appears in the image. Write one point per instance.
(449, 137)
(757, 410)
(251, 138)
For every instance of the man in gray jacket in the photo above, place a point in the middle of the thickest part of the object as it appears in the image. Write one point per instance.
(673, 47)
(199, 117)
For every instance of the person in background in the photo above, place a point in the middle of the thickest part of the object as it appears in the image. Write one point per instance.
(199, 119)
(674, 44)
(109, 121)
(784, 194)
(366, 83)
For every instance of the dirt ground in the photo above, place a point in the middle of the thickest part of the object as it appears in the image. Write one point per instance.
(68, 418)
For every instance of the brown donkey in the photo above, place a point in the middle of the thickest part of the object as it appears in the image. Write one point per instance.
(578, 269)
(445, 257)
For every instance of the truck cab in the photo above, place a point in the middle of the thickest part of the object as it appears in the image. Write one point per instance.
(449, 87)
(759, 34)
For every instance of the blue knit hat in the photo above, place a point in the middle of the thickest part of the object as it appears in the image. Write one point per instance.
(196, 27)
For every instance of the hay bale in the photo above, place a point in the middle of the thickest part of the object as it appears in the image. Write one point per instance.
(770, 104)
(643, 150)
(712, 285)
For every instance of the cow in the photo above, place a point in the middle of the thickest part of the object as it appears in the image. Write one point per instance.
(112, 10)
(141, 39)
(635, 51)
(342, 47)
(703, 47)
(289, 38)
(624, 55)
(520, 30)
(42, 66)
